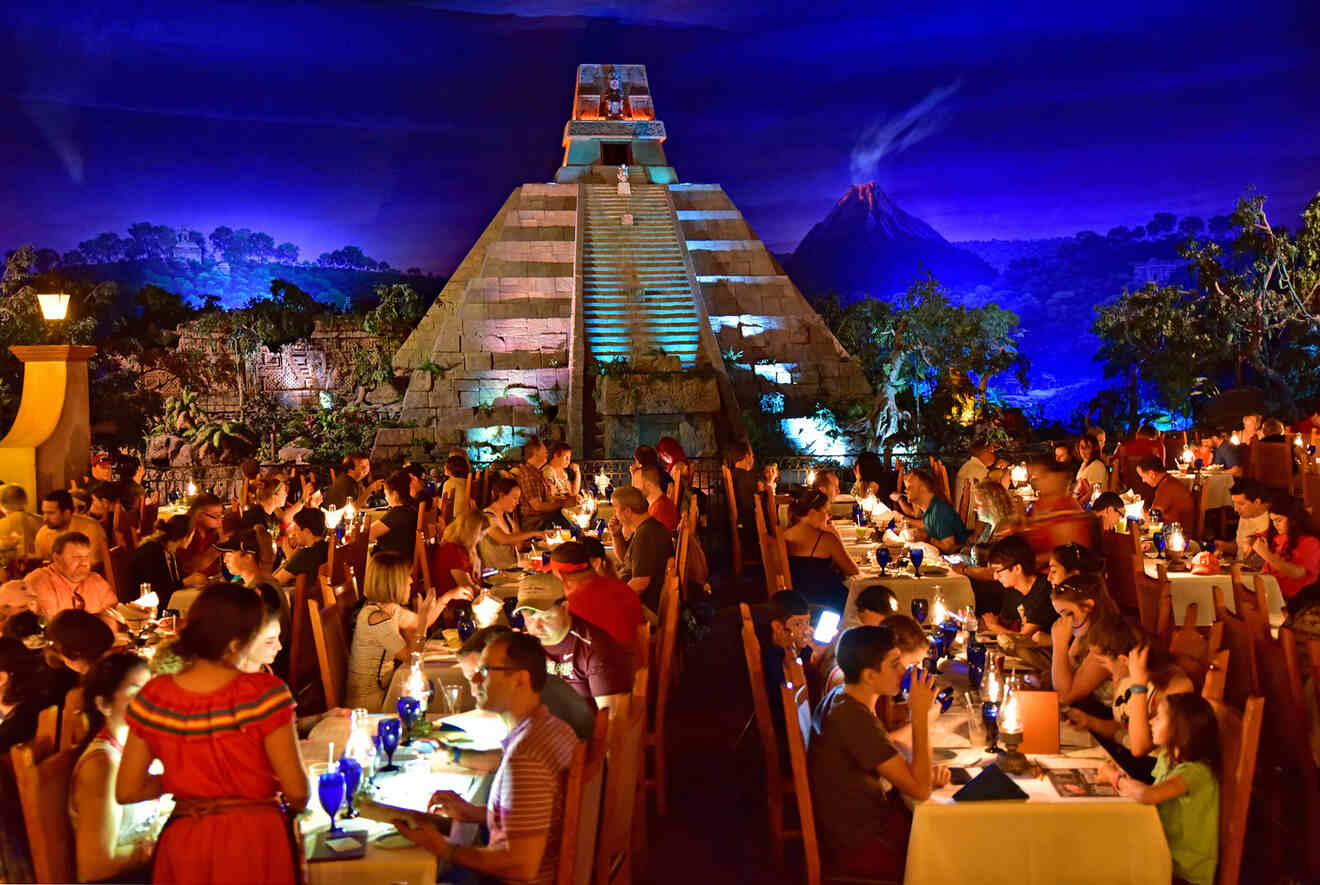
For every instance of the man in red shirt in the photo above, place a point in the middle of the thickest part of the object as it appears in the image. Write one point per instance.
(607, 602)
(658, 505)
(1170, 497)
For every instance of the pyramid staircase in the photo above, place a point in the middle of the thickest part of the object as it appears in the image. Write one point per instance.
(636, 293)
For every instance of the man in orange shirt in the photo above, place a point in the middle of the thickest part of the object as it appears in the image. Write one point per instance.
(658, 505)
(58, 516)
(69, 582)
(1170, 497)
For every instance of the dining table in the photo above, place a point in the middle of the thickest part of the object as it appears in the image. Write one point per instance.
(390, 858)
(936, 576)
(1045, 838)
(1220, 485)
(1186, 588)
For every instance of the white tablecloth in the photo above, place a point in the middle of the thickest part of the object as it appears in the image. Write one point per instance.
(1045, 839)
(956, 589)
(410, 788)
(1186, 588)
(1220, 486)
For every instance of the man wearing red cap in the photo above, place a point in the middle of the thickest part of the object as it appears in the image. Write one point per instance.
(607, 602)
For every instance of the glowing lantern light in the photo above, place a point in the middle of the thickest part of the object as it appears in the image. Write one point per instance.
(1019, 473)
(54, 306)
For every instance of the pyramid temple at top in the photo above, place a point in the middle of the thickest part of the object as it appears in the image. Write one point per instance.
(618, 304)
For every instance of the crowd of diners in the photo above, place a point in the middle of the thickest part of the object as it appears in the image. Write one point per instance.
(1038, 575)
(212, 707)
(213, 712)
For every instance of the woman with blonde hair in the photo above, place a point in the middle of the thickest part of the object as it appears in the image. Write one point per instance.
(387, 631)
(456, 562)
(999, 512)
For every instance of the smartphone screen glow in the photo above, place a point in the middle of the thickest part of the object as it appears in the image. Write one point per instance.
(826, 627)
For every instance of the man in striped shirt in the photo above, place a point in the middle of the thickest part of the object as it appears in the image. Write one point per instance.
(528, 791)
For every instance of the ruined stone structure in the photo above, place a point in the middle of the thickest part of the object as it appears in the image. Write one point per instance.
(617, 305)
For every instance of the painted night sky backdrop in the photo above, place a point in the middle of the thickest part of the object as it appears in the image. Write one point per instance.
(402, 127)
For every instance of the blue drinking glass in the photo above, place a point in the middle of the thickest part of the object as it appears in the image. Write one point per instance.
(1158, 538)
(916, 555)
(515, 620)
(389, 731)
(351, 769)
(330, 787)
(974, 675)
(410, 709)
(600, 527)
(950, 631)
(945, 698)
(1197, 464)
(882, 557)
(975, 654)
(574, 530)
(920, 606)
(857, 514)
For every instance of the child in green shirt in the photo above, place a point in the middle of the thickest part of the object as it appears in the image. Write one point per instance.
(1186, 789)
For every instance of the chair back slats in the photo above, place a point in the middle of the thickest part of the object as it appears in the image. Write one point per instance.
(627, 739)
(1239, 739)
(667, 640)
(965, 501)
(582, 803)
(686, 528)
(797, 716)
(331, 650)
(1155, 603)
(147, 516)
(119, 572)
(1123, 568)
(1243, 679)
(1188, 648)
(1216, 677)
(776, 573)
(302, 653)
(42, 775)
(73, 719)
(941, 474)
(735, 537)
(774, 782)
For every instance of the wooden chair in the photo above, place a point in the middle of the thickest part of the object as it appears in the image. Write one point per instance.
(73, 719)
(265, 546)
(1216, 677)
(686, 528)
(147, 516)
(582, 800)
(42, 774)
(423, 549)
(353, 557)
(1191, 650)
(666, 640)
(643, 661)
(965, 501)
(941, 474)
(776, 785)
(627, 738)
(1239, 739)
(776, 570)
(1243, 680)
(1155, 603)
(119, 572)
(735, 536)
(797, 708)
(302, 654)
(344, 595)
(1252, 606)
(126, 527)
(331, 650)
(1289, 795)
(1124, 568)
(1270, 463)
(1202, 496)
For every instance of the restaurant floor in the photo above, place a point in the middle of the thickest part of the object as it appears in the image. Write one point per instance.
(715, 828)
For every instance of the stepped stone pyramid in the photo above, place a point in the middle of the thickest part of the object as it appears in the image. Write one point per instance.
(616, 305)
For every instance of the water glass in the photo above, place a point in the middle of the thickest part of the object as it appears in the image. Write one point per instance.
(330, 789)
(389, 731)
(351, 769)
(920, 606)
(882, 557)
(916, 554)
(453, 694)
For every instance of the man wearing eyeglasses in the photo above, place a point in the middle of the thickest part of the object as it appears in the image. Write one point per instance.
(523, 813)
(1026, 608)
(579, 652)
(69, 582)
(199, 559)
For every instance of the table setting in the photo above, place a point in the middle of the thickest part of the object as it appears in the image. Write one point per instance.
(366, 770)
(1024, 790)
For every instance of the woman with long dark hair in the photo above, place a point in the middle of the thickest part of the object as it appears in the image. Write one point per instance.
(817, 559)
(156, 560)
(1291, 549)
(229, 747)
(1081, 601)
(112, 842)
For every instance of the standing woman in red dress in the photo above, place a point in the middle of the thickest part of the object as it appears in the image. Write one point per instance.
(229, 747)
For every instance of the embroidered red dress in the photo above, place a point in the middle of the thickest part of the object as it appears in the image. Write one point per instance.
(211, 745)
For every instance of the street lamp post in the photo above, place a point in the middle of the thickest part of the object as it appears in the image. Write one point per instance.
(50, 441)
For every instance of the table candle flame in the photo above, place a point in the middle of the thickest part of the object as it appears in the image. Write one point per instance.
(148, 600)
(938, 612)
(486, 609)
(333, 518)
(602, 482)
(1176, 541)
(1298, 441)
(1010, 719)
(1235, 440)
(811, 474)
(1019, 473)
(192, 489)
(1187, 456)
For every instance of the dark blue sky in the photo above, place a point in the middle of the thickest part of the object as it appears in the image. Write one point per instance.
(402, 127)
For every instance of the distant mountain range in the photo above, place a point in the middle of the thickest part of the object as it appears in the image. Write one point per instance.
(867, 245)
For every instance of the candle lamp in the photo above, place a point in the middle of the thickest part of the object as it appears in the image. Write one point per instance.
(192, 488)
(811, 474)
(1010, 728)
(602, 483)
(1235, 440)
(1175, 542)
(486, 609)
(1019, 474)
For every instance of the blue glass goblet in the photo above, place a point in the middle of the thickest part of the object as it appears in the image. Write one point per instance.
(515, 620)
(409, 711)
(1158, 538)
(351, 769)
(920, 606)
(389, 731)
(330, 788)
(945, 698)
(882, 557)
(916, 554)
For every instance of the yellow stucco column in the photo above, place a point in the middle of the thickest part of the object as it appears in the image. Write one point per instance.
(51, 439)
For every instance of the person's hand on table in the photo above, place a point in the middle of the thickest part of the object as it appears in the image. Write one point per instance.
(461, 592)
(1078, 718)
(990, 621)
(454, 806)
(1062, 631)
(939, 776)
(1108, 772)
(428, 837)
(958, 568)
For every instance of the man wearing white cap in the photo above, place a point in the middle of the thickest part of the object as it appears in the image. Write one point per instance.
(582, 654)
